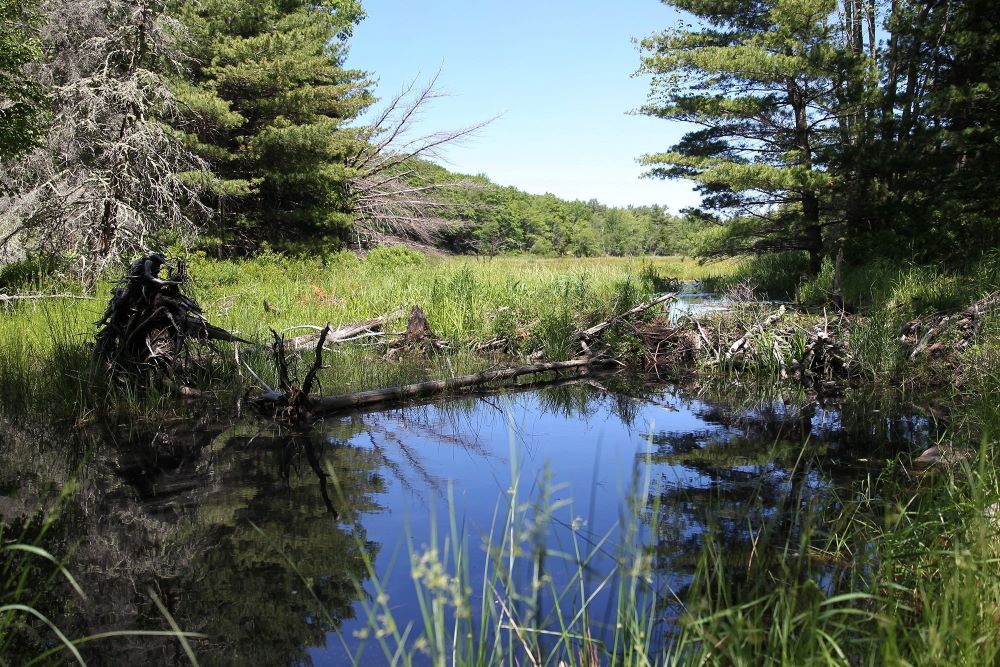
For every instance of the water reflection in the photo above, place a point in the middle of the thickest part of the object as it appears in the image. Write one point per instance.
(259, 537)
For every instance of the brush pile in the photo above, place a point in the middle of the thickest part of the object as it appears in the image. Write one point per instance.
(149, 324)
(932, 335)
(824, 362)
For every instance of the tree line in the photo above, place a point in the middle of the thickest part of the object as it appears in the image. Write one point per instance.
(816, 126)
(868, 126)
(490, 219)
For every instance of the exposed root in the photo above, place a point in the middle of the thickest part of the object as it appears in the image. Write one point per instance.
(149, 323)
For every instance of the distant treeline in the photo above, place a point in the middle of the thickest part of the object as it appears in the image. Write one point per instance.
(491, 219)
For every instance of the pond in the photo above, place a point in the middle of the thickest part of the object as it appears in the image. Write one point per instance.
(262, 538)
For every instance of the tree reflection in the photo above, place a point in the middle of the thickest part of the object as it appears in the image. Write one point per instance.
(763, 481)
(254, 539)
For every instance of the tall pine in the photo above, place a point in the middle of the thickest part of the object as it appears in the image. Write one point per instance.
(269, 106)
(758, 81)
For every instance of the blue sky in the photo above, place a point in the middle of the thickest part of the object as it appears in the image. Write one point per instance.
(558, 74)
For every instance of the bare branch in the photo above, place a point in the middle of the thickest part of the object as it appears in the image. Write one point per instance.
(392, 203)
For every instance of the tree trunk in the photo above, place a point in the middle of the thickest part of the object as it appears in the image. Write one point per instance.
(814, 233)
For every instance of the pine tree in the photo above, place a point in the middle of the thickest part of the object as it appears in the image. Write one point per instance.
(941, 153)
(269, 107)
(759, 79)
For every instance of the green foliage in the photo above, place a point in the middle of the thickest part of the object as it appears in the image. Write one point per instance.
(816, 131)
(29, 272)
(21, 98)
(268, 107)
(393, 257)
(758, 79)
(493, 220)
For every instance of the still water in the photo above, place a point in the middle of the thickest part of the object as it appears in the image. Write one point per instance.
(259, 537)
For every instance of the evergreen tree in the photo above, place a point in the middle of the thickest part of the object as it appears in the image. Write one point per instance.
(759, 79)
(269, 106)
(940, 154)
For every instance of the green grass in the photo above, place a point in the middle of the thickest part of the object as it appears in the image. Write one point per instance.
(900, 569)
(533, 303)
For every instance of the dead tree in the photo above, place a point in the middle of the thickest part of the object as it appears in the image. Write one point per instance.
(149, 323)
(109, 172)
(392, 202)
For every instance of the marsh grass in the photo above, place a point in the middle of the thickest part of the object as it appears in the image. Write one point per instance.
(45, 346)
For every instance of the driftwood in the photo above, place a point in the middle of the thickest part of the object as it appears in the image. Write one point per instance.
(149, 322)
(292, 404)
(824, 361)
(759, 328)
(923, 333)
(595, 331)
(6, 299)
(346, 333)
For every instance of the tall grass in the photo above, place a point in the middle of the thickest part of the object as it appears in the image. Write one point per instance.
(533, 304)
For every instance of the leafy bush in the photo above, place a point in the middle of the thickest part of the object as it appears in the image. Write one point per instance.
(392, 257)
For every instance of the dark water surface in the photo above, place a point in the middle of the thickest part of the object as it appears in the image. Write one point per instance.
(227, 521)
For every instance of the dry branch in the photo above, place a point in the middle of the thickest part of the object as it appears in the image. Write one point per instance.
(597, 329)
(343, 333)
(8, 298)
(391, 201)
(966, 322)
(760, 327)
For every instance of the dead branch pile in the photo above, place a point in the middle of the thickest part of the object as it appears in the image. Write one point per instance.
(824, 362)
(292, 404)
(149, 322)
(666, 345)
(590, 339)
(924, 334)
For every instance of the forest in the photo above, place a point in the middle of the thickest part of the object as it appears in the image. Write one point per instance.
(817, 127)
(278, 385)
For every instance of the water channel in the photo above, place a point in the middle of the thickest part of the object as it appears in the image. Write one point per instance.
(259, 537)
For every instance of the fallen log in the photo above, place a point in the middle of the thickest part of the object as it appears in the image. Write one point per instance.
(8, 298)
(597, 329)
(344, 333)
(319, 405)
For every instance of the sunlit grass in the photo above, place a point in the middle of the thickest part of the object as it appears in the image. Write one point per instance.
(532, 303)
